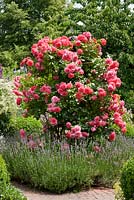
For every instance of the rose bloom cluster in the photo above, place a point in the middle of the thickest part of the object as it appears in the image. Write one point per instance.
(75, 132)
(73, 87)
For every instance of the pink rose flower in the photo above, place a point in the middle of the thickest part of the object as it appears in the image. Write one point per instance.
(55, 99)
(79, 51)
(82, 38)
(85, 134)
(93, 129)
(18, 101)
(53, 121)
(103, 42)
(68, 125)
(78, 43)
(94, 97)
(22, 133)
(30, 63)
(36, 96)
(68, 134)
(101, 92)
(88, 90)
(69, 85)
(112, 136)
(18, 93)
(70, 75)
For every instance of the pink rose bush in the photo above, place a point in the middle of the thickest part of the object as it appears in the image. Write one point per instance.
(73, 87)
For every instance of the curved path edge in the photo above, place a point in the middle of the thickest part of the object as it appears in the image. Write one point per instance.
(92, 194)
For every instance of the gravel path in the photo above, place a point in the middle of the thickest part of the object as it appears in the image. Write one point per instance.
(93, 194)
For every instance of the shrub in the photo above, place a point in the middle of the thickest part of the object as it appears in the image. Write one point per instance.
(127, 179)
(118, 192)
(30, 124)
(73, 87)
(6, 128)
(11, 193)
(7, 99)
(4, 176)
(7, 192)
(8, 107)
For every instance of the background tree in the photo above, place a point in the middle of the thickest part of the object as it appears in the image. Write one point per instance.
(15, 33)
(23, 22)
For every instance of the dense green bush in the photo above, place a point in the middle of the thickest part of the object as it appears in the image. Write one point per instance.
(7, 192)
(127, 179)
(11, 193)
(6, 128)
(30, 124)
(4, 176)
(59, 169)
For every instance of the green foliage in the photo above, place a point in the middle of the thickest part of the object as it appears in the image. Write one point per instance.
(15, 26)
(4, 176)
(6, 57)
(22, 22)
(127, 179)
(38, 11)
(30, 124)
(7, 192)
(11, 193)
(128, 96)
(130, 130)
(15, 30)
(52, 21)
(6, 128)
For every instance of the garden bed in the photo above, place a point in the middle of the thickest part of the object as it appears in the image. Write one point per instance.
(60, 171)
